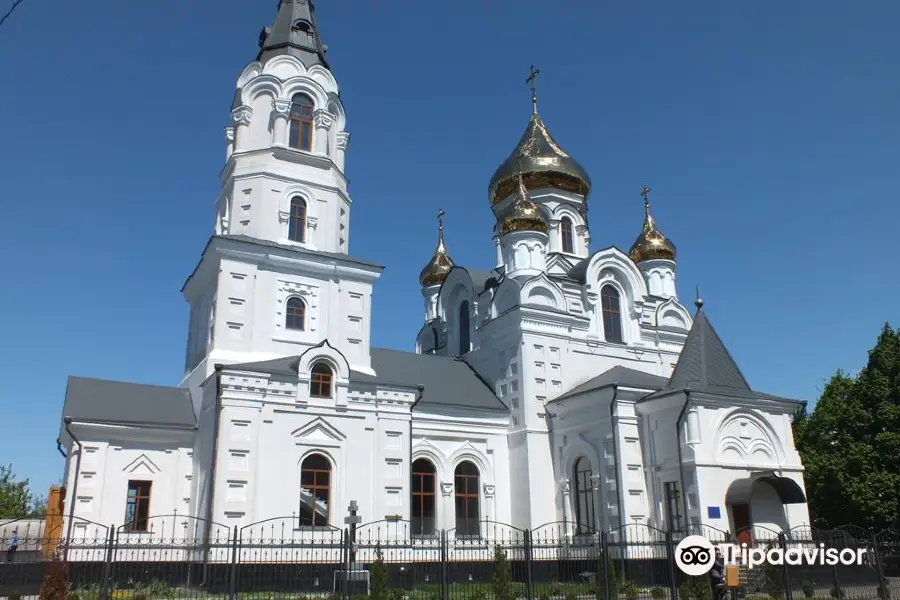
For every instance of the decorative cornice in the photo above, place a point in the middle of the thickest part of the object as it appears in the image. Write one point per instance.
(242, 115)
(323, 119)
(343, 140)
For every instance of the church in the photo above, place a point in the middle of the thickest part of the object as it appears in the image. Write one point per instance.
(561, 385)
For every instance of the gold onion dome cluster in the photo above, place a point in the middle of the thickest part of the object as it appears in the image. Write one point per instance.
(437, 269)
(522, 214)
(651, 244)
(541, 163)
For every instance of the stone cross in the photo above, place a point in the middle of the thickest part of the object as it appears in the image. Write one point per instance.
(353, 519)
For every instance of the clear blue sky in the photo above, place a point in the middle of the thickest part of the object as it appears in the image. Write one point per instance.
(769, 132)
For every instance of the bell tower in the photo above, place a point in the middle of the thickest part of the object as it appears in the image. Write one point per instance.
(276, 277)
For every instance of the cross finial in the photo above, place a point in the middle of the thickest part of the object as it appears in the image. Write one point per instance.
(699, 301)
(532, 77)
(645, 192)
(441, 219)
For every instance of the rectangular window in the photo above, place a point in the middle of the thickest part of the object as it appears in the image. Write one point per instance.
(137, 507)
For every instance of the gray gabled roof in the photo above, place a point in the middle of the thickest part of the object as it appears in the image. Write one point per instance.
(119, 402)
(705, 365)
(295, 33)
(618, 375)
(448, 382)
(704, 361)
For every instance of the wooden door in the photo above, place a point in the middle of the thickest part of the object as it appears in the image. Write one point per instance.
(740, 517)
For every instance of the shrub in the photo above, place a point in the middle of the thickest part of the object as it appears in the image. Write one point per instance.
(501, 579)
(55, 585)
(695, 588)
(615, 581)
(479, 594)
(378, 577)
(544, 597)
(14, 596)
(809, 590)
(571, 596)
(631, 590)
(396, 594)
(658, 593)
(837, 593)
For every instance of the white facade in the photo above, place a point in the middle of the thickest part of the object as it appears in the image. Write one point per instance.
(554, 385)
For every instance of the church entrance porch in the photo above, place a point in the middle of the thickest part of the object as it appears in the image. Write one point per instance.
(758, 502)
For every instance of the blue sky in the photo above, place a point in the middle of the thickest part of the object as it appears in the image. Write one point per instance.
(768, 131)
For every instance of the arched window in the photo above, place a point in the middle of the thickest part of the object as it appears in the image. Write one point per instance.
(315, 490)
(610, 305)
(295, 314)
(320, 381)
(297, 221)
(464, 343)
(584, 496)
(467, 498)
(301, 122)
(423, 497)
(434, 335)
(565, 232)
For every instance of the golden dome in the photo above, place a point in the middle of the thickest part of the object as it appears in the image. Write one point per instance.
(543, 164)
(651, 244)
(522, 214)
(437, 269)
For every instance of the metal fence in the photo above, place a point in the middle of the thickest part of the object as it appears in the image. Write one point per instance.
(182, 557)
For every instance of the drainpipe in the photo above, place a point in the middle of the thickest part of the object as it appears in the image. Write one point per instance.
(59, 448)
(73, 497)
(215, 447)
(687, 401)
(614, 425)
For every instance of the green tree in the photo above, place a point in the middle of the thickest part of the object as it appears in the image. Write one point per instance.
(378, 576)
(502, 576)
(15, 499)
(850, 443)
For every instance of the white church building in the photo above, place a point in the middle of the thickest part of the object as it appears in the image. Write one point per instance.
(561, 385)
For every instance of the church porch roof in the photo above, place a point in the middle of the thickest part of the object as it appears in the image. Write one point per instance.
(123, 403)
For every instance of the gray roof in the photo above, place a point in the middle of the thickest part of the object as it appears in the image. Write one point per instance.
(618, 375)
(706, 366)
(294, 33)
(704, 360)
(449, 382)
(113, 402)
(482, 280)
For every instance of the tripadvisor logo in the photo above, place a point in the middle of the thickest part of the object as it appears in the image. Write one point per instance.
(695, 555)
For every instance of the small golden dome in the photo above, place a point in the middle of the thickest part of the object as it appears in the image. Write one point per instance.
(437, 269)
(651, 244)
(522, 214)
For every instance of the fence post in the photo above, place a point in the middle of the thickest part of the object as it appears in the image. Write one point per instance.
(529, 560)
(445, 584)
(604, 556)
(232, 576)
(670, 560)
(883, 587)
(348, 553)
(785, 577)
(107, 563)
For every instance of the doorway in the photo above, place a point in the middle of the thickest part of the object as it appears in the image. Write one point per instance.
(740, 519)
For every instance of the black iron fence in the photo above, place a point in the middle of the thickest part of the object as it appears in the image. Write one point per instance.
(181, 557)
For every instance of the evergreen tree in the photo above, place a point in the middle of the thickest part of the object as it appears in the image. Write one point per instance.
(378, 576)
(850, 443)
(502, 576)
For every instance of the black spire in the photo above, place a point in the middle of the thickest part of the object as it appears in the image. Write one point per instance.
(294, 33)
